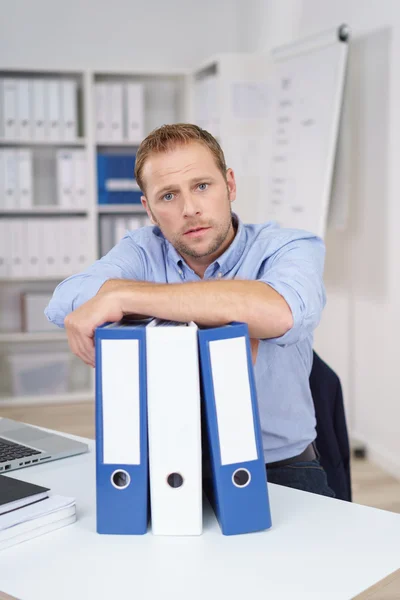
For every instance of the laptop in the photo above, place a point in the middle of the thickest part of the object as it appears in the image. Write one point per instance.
(25, 445)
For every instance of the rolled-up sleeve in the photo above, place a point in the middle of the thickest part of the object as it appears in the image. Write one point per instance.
(295, 271)
(124, 261)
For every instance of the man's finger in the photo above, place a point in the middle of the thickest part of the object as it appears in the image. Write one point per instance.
(72, 342)
(87, 345)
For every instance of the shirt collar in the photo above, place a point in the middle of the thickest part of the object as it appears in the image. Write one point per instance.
(227, 260)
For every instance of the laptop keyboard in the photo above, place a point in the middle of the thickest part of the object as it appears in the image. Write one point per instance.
(12, 450)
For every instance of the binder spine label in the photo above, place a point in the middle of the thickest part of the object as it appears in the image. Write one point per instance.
(233, 400)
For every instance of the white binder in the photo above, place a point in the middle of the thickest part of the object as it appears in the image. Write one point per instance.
(134, 223)
(25, 181)
(68, 102)
(24, 109)
(19, 253)
(115, 115)
(65, 178)
(79, 194)
(33, 243)
(50, 249)
(83, 247)
(135, 112)
(63, 249)
(57, 248)
(174, 425)
(102, 112)
(53, 106)
(41, 245)
(120, 229)
(106, 234)
(38, 109)
(10, 165)
(8, 123)
(4, 248)
(2, 176)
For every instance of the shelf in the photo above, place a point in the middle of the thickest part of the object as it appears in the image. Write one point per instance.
(122, 144)
(59, 143)
(72, 397)
(40, 336)
(43, 210)
(31, 279)
(120, 208)
(105, 74)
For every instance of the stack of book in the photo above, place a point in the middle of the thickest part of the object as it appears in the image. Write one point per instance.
(28, 510)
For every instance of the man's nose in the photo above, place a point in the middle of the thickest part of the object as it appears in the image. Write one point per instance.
(191, 206)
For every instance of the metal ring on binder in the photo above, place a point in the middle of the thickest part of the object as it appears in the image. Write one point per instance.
(241, 478)
(120, 479)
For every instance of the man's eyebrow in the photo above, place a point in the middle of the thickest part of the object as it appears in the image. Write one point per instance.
(173, 187)
(163, 190)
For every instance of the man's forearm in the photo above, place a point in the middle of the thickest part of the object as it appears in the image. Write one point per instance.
(209, 303)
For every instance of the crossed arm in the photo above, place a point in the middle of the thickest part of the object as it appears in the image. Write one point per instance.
(209, 303)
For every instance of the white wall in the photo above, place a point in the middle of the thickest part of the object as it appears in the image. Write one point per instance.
(369, 288)
(121, 34)
(271, 23)
(360, 329)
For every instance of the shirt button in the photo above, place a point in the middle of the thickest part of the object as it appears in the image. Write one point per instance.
(180, 272)
(219, 275)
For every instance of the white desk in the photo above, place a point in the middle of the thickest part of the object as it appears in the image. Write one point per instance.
(317, 549)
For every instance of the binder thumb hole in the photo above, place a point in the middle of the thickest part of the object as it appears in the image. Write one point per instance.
(241, 478)
(175, 480)
(120, 479)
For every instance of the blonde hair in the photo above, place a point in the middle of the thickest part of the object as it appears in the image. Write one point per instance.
(168, 137)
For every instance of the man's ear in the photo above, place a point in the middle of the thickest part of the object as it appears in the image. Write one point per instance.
(231, 183)
(145, 205)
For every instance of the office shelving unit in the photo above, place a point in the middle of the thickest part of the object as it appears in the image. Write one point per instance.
(166, 100)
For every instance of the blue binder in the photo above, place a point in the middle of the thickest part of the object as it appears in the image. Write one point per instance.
(115, 179)
(237, 480)
(121, 429)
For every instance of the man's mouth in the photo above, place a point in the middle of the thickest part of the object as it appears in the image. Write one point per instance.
(196, 231)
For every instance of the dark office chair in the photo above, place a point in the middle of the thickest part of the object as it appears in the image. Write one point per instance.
(332, 437)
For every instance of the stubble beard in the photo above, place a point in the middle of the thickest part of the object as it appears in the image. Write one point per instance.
(222, 232)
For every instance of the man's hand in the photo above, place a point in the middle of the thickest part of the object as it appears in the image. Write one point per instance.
(82, 322)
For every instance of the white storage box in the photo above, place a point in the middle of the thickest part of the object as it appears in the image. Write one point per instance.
(39, 373)
(33, 317)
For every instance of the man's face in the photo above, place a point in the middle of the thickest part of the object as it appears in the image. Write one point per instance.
(189, 199)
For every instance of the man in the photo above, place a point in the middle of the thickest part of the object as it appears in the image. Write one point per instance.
(200, 263)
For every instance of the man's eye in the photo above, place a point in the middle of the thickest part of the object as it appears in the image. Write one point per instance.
(203, 186)
(168, 197)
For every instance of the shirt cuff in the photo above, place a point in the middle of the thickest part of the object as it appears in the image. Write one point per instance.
(56, 311)
(54, 316)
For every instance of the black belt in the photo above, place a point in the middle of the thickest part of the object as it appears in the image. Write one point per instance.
(310, 453)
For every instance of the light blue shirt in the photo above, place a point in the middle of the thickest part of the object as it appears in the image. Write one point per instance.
(290, 261)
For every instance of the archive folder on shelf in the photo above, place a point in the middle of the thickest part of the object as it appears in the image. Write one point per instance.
(173, 387)
(115, 179)
(121, 429)
(237, 486)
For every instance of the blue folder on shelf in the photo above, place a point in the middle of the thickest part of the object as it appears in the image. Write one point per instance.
(116, 182)
(236, 483)
(122, 495)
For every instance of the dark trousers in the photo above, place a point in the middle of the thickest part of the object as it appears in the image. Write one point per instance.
(307, 476)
